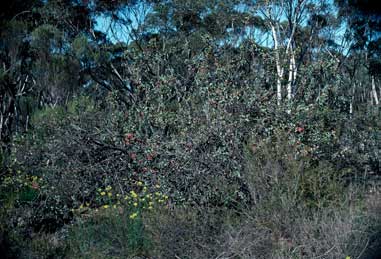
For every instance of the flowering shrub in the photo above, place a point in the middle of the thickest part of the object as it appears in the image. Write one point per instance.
(211, 147)
(144, 199)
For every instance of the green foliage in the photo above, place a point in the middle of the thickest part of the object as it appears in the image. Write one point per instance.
(46, 38)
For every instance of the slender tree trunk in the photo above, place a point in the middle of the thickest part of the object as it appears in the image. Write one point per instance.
(279, 68)
(291, 75)
(374, 92)
(352, 98)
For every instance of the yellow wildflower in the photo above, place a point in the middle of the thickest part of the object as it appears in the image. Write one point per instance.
(108, 188)
(109, 194)
(139, 183)
(150, 207)
(105, 206)
(133, 215)
(135, 204)
(103, 193)
(133, 194)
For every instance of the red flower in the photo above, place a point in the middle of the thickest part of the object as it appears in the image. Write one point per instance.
(128, 138)
(299, 129)
(133, 156)
(35, 185)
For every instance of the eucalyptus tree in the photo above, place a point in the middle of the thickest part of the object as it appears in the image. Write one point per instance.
(293, 29)
(17, 19)
(363, 20)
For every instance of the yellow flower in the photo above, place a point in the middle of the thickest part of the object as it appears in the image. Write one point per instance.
(150, 207)
(348, 257)
(108, 188)
(133, 194)
(105, 206)
(139, 183)
(144, 188)
(118, 195)
(133, 215)
(126, 198)
(150, 203)
(114, 206)
(135, 204)
(109, 194)
(81, 207)
(103, 193)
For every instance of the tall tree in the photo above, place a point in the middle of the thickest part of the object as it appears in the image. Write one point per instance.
(17, 19)
(364, 26)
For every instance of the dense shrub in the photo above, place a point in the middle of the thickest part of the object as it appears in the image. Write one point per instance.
(214, 151)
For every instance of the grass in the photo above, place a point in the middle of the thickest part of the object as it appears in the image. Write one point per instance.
(108, 234)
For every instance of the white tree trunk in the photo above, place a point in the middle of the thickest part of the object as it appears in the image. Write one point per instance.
(279, 68)
(291, 75)
(352, 99)
(374, 92)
